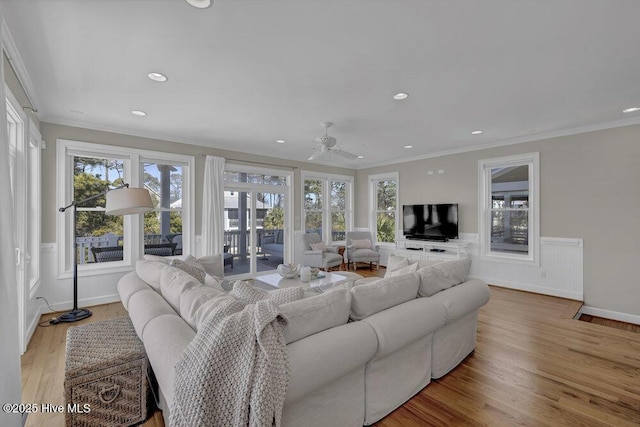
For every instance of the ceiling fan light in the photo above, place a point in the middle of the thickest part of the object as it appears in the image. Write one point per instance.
(200, 4)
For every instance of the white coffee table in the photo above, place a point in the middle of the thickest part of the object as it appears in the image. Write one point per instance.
(320, 284)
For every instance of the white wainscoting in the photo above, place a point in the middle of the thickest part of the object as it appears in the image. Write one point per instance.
(560, 272)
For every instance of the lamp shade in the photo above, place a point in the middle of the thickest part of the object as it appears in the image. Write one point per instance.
(127, 201)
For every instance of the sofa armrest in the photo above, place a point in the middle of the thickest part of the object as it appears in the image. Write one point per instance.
(322, 358)
(399, 326)
(463, 299)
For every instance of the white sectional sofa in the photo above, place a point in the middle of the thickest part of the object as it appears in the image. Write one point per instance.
(356, 353)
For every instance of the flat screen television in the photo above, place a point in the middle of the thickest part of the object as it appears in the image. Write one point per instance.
(430, 222)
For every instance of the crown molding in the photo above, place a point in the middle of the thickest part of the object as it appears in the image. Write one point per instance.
(511, 141)
(15, 60)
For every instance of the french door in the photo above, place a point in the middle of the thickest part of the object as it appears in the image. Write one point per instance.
(24, 171)
(257, 219)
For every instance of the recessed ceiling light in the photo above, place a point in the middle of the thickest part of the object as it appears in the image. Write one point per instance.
(360, 156)
(631, 110)
(408, 146)
(200, 4)
(477, 132)
(158, 77)
(280, 141)
(400, 96)
(138, 113)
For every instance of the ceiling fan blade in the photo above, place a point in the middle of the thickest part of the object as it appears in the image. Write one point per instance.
(345, 154)
(316, 154)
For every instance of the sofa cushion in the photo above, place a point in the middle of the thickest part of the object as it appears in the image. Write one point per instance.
(192, 299)
(249, 294)
(173, 283)
(150, 271)
(312, 315)
(212, 263)
(205, 309)
(411, 268)
(443, 275)
(128, 285)
(384, 293)
(190, 265)
(214, 282)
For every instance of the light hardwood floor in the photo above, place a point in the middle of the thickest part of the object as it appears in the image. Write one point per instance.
(534, 365)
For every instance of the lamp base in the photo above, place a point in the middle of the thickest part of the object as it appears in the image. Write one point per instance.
(72, 316)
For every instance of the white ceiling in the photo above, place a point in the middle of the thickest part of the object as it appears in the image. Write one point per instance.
(244, 73)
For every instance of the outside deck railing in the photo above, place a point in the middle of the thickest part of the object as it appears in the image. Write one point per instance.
(232, 241)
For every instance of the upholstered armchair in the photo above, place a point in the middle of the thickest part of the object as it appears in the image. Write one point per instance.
(324, 258)
(361, 248)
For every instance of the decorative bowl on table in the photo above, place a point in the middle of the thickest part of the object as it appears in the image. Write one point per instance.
(288, 271)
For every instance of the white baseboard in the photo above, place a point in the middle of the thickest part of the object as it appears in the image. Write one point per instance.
(533, 288)
(613, 315)
(32, 326)
(87, 302)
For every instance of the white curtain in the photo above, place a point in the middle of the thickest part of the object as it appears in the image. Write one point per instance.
(213, 206)
(10, 386)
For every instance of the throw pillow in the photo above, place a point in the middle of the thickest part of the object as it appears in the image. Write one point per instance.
(173, 283)
(395, 263)
(190, 265)
(214, 282)
(412, 268)
(249, 294)
(212, 264)
(317, 246)
(191, 301)
(150, 271)
(442, 276)
(361, 244)
(373, 297)
(312, 315)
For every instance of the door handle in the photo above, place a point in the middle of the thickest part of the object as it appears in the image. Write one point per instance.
(18, 255)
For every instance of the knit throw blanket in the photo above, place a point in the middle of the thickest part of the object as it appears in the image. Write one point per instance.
(235, 372)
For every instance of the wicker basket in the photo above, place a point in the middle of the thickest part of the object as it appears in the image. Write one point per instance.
(106, 373)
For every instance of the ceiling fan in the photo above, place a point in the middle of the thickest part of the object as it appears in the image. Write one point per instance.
(327, 144)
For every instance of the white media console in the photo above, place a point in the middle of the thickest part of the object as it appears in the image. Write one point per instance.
(431, 250)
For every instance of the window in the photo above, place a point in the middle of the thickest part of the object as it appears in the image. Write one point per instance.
(164, 224)
(509, 208)
(89, 169)
(327, 202)
(383, 197)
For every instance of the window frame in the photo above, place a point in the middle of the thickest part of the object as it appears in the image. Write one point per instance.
(485, 208)
(373, 206)
(134, 160)
(326, 211)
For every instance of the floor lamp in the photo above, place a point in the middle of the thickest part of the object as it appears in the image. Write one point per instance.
(121, 200)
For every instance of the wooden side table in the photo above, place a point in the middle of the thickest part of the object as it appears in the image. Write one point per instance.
(341, 250)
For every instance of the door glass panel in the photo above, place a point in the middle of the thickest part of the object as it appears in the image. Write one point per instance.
(270, 230)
